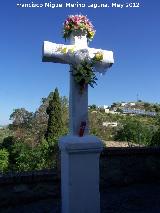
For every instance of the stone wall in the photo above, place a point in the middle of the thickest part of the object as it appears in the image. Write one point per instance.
(26, 187)
(124, 166)
(118, 166)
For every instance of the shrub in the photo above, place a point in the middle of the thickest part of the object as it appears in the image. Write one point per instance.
(155, 141)
(4, 160)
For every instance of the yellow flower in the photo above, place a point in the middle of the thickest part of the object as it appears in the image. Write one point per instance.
(91, 34)
(64, 50)
(98, 56)
(71, 50)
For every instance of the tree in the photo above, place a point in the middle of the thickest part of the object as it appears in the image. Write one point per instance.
(119, 110)
(54, 111)
(40, 118)
(113, 105)
(55, 126)
(24, 141)
(4, 160)
(134, 131)
(5, 132)
(22, 124)
(21, 118)
(147, 106)
(28, 159)
(93, 107)
(65, 114)
(156, 108)
(155, 141)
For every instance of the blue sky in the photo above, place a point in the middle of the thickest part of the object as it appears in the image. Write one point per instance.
(133, 34)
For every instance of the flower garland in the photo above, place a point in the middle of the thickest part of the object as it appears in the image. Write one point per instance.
(78, 24)
(84, 67)
(84, 73)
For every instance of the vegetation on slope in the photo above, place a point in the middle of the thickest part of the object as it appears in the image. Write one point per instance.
(30, 142)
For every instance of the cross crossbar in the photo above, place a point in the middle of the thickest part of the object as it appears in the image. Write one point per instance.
(70, 54)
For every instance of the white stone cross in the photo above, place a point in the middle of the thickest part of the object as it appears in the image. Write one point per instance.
(74, 54)
(79, 155)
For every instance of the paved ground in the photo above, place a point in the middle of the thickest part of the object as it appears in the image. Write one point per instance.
(138, 198)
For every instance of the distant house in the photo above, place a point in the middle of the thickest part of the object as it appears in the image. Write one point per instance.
(111, 124)
(111, 111)
(105, 107)
(132, 104)
(123, 104)
(138, 112)
(106, 110)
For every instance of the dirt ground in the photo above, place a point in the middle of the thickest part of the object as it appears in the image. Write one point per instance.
(138, 198)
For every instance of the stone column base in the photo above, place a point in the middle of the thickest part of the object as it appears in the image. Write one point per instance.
(80, 174)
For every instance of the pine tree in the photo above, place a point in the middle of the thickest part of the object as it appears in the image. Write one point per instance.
(54, 111)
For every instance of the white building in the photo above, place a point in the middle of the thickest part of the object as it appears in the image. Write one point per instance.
(106, 110)
(123, 104)
(132, 104)
(111, 124)
(111, 111)
(105, 106)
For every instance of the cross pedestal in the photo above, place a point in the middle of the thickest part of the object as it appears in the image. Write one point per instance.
(79, 155)
(80, 174)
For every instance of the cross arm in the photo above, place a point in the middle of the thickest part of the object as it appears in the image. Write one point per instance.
(70, 54)
(52, 52)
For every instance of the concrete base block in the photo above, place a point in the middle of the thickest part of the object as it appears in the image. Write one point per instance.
(80, 174)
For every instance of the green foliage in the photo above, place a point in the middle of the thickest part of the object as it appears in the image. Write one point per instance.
(21, 126)
(29, 159)
(54, 111)
(8, 142)
(84, 74)
(119, 110)
(134, 131)
(31, 127)
(4, 160)
(4, 132)
(44, 155)
(93, 107)
(23, 157)
(65, 115)
(40, 119)
(155, 141)
(31, 141)
(21, 118)
(96, 119)
(24, 139)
